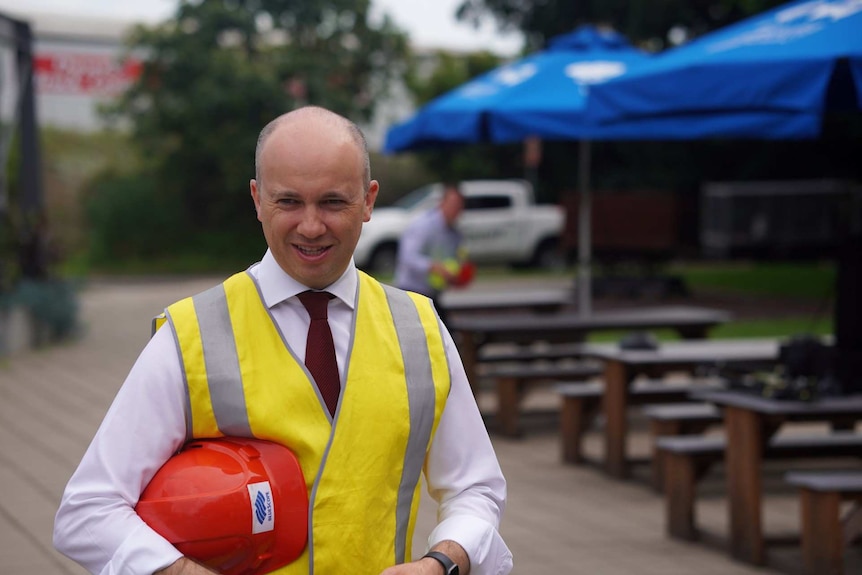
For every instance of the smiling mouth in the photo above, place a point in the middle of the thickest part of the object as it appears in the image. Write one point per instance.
(311, 251)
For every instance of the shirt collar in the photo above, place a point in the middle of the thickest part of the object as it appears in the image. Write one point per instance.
(276, 285)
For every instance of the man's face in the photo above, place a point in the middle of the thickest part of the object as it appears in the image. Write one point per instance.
(311, 200)
(452, 205)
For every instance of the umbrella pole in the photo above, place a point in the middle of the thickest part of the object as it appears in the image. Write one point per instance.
(584, 230)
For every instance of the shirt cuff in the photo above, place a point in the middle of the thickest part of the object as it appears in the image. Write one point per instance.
(144, 552)
(488, 553)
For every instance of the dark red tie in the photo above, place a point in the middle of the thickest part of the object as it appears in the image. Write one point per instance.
(319, 349)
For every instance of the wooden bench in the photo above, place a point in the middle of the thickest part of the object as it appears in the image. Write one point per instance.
(824, 533)
(687, 458)
(581, 403)
(676, 419)
(512, 380)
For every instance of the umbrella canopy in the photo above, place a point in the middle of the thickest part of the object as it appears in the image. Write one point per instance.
(540, 95)
(772, 76)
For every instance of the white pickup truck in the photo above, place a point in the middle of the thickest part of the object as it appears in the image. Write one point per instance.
(501, 224)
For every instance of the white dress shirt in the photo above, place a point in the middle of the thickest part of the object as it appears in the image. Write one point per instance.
(96, 524)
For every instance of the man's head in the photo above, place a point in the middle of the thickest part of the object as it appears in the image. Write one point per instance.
(312, 192)
(452, 202)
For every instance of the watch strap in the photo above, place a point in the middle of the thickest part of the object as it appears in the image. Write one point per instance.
(449, 566)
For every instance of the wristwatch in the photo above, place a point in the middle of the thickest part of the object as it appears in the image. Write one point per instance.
(449, 566)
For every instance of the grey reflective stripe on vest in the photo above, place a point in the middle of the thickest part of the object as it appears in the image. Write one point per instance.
(188, 401)
(222, 362)
(421, 397)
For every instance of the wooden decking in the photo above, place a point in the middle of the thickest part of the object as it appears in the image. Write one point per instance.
(560, 519)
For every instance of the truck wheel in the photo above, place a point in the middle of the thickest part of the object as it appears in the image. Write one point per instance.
(549, 256)
(383, 259)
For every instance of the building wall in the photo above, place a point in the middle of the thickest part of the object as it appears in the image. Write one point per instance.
(73, 79)
(78, 65)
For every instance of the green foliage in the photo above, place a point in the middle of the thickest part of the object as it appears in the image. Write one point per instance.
(222, 69)
(136, 225)
(71, 160)
(130, 216)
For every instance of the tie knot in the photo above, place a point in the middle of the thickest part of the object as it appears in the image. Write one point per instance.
(316, 303)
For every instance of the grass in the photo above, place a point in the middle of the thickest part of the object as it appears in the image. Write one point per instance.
(805, 281)
(797, 280)
(743, 329)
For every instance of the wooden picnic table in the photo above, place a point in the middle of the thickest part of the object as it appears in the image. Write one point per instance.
(750, 421)
(535, 299)
(472, 331)
(622, 366)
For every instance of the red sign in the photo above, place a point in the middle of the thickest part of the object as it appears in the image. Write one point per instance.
(82, 73)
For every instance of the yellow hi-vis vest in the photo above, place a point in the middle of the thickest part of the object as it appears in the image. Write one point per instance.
(362, 467)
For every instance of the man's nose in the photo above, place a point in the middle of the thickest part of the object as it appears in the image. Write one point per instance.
(312, 224)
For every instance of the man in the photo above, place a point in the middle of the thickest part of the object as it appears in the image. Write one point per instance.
(427, 244)
(312, 192)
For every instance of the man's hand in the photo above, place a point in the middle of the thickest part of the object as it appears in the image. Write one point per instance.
(428, 566)
(445, 274)
(185, 566)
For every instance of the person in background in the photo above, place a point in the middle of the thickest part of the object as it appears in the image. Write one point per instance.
(402, 403)
(429, 246)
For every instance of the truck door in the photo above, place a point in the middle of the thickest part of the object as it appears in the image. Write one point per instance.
(489, 226)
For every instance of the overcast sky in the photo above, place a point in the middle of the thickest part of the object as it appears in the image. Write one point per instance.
(430, 23)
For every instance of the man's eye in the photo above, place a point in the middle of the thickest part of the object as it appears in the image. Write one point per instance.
(288, 202)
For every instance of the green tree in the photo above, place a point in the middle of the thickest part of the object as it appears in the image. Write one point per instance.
(647, 23)
(220, 69)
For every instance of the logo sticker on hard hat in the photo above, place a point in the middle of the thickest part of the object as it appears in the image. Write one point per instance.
(263, 513)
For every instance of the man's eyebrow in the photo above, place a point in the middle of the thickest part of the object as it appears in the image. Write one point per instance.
(335, 194)
(284, 194)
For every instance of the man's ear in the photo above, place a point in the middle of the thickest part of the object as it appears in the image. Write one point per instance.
(255, 196)
(370, 198)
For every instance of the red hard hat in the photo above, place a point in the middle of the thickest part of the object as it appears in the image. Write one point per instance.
(237, 505)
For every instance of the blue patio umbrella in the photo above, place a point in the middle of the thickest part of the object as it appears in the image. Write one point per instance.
(771, 76)
(541, 95)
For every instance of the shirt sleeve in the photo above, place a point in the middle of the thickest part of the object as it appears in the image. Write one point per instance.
(411, 247)
(96, 524)
(465, 478)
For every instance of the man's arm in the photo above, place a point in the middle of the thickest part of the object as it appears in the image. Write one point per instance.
(96, 524)
(429, 566)
(464, 477)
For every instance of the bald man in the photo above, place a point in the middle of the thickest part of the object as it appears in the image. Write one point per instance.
(401, 407)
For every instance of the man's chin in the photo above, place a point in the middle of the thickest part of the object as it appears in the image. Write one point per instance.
(315, 276)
